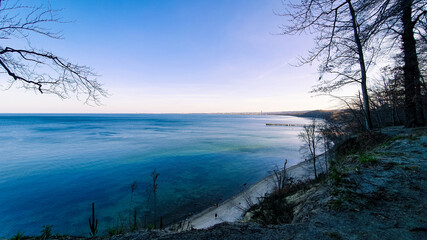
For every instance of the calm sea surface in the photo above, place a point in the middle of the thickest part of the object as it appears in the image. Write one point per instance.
(52, 167)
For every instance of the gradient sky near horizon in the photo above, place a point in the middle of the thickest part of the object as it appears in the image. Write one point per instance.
(173, 56)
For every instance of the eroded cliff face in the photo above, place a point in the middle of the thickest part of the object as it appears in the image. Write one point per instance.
(380, 194)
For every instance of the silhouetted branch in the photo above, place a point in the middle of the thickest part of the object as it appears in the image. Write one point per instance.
(41, 70)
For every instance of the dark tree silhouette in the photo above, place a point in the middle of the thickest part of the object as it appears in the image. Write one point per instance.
(22, 65)
(388, 97)
(411, 72)
(406, 21)
(340, 46)
(311, 139)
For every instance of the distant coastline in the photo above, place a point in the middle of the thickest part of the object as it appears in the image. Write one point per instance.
(304, 113)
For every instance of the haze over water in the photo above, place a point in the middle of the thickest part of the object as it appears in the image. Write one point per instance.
(52, 167)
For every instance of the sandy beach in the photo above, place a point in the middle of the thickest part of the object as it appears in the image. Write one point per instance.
(233, 209)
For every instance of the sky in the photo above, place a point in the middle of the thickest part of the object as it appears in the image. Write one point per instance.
(170, 56)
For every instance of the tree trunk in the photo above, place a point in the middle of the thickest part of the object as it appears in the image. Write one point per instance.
(365, 96)
(393, 115)
(314, 154)
(314, 167)
(326, 153)
(411, 73)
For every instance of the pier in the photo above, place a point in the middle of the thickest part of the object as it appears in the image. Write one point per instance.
(285, 124)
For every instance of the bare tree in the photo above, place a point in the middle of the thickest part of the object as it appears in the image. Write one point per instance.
(326, 134)
(406, 21)
(411, 71)
(132, 189)
(340, 46)
(388, 96)
(24, 66)
(154, 175)
(281, 177)
(311, 139)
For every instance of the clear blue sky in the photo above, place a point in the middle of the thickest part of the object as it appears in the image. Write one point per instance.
(181, 56)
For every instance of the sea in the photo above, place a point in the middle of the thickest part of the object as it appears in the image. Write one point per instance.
(54, 166)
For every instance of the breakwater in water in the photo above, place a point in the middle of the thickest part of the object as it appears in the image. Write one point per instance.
(285, 124)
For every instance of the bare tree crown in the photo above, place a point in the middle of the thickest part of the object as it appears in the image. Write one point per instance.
(43, 71)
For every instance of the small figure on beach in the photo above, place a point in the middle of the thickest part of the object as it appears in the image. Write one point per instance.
(216, 215)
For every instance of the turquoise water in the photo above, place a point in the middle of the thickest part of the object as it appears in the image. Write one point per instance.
(52, 167)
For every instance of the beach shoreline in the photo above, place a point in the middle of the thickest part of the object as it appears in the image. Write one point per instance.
(233, 209)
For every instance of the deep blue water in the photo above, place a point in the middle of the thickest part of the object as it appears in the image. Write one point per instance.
(52, 167)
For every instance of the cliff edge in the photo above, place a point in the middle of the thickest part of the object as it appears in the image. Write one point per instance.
(377, 194)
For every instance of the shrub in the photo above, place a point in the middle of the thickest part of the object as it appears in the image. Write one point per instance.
(365, 158)
(274, 208)
(18, 236)
(115, 231)
(335, 175)
(150, 227)
(46, 232)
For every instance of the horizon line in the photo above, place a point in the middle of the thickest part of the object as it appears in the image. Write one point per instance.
(257, 113)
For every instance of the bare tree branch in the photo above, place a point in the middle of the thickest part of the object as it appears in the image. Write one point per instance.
(44, 71)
